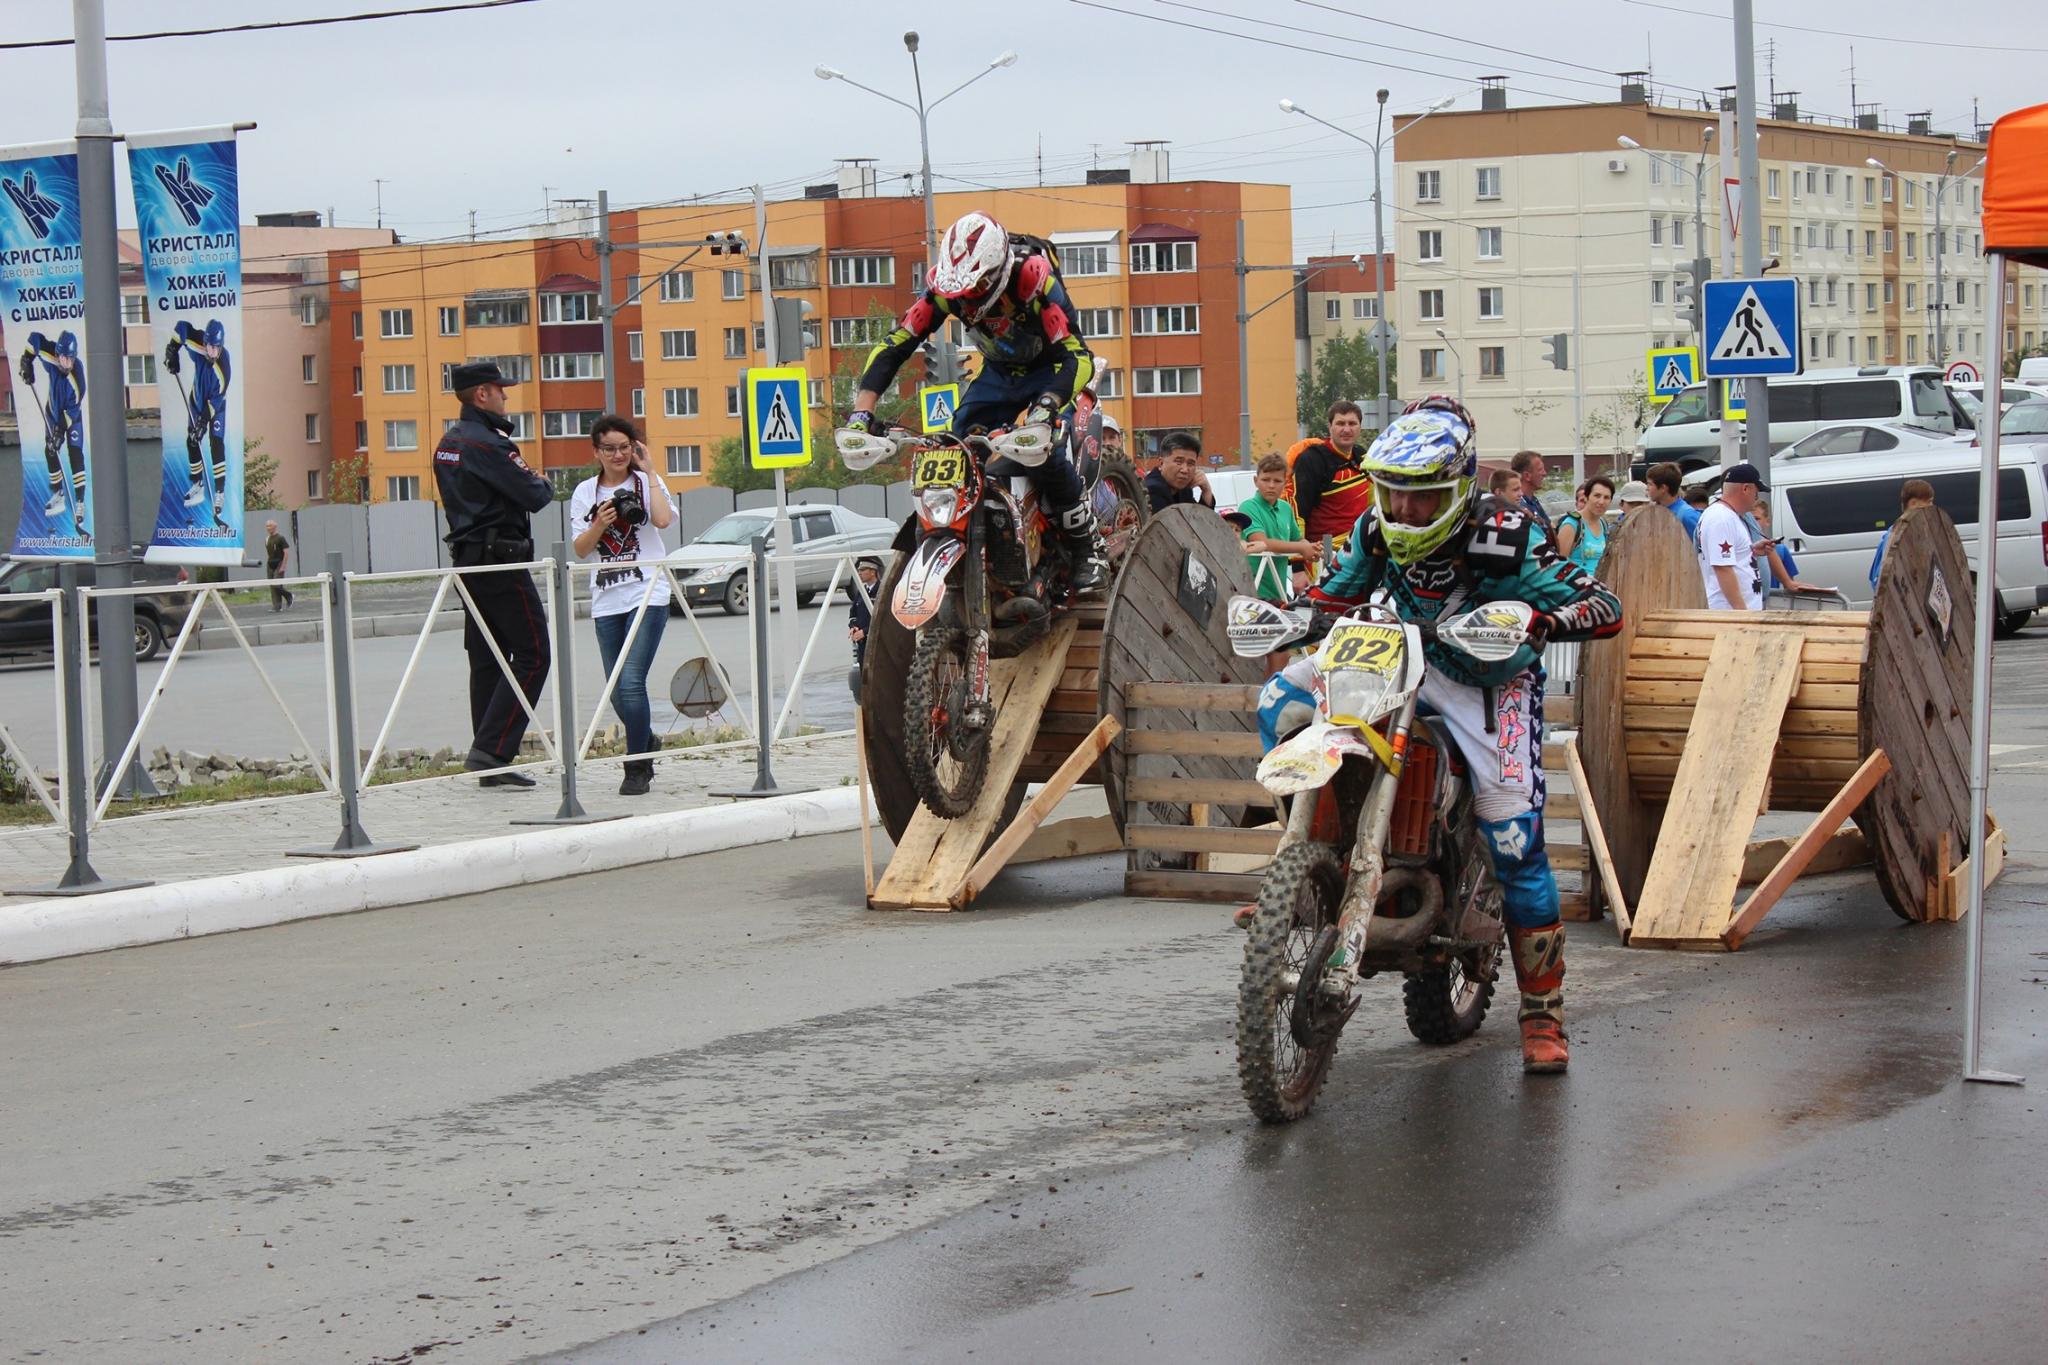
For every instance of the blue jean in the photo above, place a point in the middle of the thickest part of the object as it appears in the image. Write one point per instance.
(629, 697)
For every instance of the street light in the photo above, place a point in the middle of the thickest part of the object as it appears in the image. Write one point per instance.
(1461, 363)
(1379, 242)
(1699, 217)
(923, 111)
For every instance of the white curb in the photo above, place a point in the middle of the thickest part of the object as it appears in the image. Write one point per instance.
(249, 900)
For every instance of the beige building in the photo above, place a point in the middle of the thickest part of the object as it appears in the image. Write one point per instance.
(1499, 212)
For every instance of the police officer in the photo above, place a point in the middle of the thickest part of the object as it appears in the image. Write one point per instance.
(490, 495)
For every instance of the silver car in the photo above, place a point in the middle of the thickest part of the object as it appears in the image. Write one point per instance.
(713, 567)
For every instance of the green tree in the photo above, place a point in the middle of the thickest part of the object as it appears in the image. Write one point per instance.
(348, 478)
(730, 469)
(1345, 367)
(1619, 420)
(259, 475)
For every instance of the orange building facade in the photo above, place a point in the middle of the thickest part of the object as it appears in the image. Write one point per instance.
(1151, 268)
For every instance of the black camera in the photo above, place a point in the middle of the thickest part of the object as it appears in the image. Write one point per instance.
(628, 508)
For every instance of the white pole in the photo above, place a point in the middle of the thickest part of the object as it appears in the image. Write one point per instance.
(1578, 386)
(1980, 686)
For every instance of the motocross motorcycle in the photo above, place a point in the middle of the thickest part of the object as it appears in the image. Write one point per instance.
(1382, 867)
(987, 576)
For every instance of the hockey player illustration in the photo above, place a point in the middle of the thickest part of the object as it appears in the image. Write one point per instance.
(62, 400)
(206, 411)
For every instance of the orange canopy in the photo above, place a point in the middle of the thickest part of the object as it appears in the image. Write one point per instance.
(2016, 187)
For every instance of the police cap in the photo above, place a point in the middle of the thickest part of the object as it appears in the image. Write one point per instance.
(478, 372)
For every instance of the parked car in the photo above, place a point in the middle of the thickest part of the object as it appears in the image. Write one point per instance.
(1688, 431)
(25, 625)
(713, 567)
(1830, 508)
(2009, 393)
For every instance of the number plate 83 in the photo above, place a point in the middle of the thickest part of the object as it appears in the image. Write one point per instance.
(940, 469)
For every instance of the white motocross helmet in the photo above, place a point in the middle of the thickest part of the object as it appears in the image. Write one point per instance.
(974, 264)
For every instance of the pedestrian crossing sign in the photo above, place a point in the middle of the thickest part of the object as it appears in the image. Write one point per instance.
(938, 402)
(778, 418)
(1752, 328)
(1734, 401)
(1672, 370)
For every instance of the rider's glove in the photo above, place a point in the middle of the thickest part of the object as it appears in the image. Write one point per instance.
(28, 367)
(1540, 626)
(867, 423)
(1044, 409)
(171, 349)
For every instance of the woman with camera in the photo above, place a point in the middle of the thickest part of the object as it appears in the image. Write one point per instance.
(618, 515)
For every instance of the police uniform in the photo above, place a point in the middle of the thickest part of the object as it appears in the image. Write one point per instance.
(489, 495)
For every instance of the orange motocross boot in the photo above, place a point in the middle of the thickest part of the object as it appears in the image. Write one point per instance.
(1539, 970)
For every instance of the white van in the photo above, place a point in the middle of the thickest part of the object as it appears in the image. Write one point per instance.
(1688, 431)
(1831, 510)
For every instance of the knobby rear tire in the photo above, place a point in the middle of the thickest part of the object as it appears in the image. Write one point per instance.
(1445, 1008)
(1300, 894)
(923, 694)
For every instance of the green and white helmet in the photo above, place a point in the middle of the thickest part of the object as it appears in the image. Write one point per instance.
(1430, 445)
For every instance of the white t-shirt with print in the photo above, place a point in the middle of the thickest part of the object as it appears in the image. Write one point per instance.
(621, 589)
(1725, 540)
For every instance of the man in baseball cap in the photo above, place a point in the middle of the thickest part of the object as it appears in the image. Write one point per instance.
(1727, 550)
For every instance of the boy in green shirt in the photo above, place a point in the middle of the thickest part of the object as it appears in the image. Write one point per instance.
(1273, 538)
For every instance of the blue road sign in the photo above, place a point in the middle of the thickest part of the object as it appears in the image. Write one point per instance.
(939, 402)
(778, 420)
(1752, 328)
(1671, 370)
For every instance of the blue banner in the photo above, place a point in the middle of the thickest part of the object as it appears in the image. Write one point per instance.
(188, 217)
(42, 327)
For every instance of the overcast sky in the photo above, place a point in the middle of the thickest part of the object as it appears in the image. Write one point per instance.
(655, 100)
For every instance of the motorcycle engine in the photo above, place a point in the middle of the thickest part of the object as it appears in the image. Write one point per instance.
(1007, 563)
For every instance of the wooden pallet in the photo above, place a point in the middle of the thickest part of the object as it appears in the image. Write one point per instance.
(1169, 810)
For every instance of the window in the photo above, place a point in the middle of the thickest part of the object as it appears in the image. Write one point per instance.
(1333, 310)
(679, 402)
(1831, 346)
(1810, 185)
(1109, 383)
(735, 343)
(1912, 187)
(398, 379)
(632, 289)
(635, 347)
(733, 284)
(572, 365)
(309, 311)
(403, 435)
(639, 402)
(1088, 258)
(1429, 245)
(1656, 232)
(1887, 189)
(2008, 293)
(568, 308)
(141, 369)
(1493, 362)
(134, 310)
(732, 400)
(1493, 302)
(355, 323)
(1175, 319)
(760, 336)
(1100, 322)
(577, 422)
(1890, 294)
(1776, 239)
(793, 272)
(813, 332)
(349, 281)
(1489, 244)
(814, 393)
(402, 488)
(1678, 232)
(869, 330)
(1912, 338)
(509, 311)
(1912, 297)
(522, 425)
(1891, 243)
(679, 344)
(1827, 182)
(2027, 296)
(1488, 183)
(678, 286)
(1170, 379)
(1812, 235)
(313, 484)
(357, 375)
(1162, 258)
(1912, 246)
(686, 459)
(1813, 346)
(874, 271)
(1656, 292)
(1827, 236)
(1430, 305)
(1656, 171)
(362, 436)
(1432, 358)
(1831, 293)
(1870, 350)
(1870, 298)
(394, 322)
(1365, 310)
(313, 428)
(450, 321)
(308, 372)
(1870, 241)
(1770, 184)
(1429, 186)
(1837, 508)
(516, 368)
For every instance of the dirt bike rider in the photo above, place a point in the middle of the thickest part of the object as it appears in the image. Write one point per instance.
(1436, 547)
(1007, 292)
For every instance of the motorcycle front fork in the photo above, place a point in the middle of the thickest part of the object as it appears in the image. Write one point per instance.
(980, 712)
(1367, 866)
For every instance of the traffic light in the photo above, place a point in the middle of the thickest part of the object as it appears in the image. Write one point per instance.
(1697, 272)
(726, 243)
(1557, 350)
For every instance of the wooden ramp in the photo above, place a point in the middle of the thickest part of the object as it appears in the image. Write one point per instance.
(929, 869)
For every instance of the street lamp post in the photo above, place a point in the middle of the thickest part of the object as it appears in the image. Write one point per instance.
(1699, 218)
(1459, 357)
(1939, 307)
(1378, 142)
(948, 370)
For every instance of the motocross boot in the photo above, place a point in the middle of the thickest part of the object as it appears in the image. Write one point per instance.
(1539, 971)
(1085, 550)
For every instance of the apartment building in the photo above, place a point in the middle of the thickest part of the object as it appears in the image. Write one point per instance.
(1342, 297)
(1150, 264)
(1500, 213)
(282, 370)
